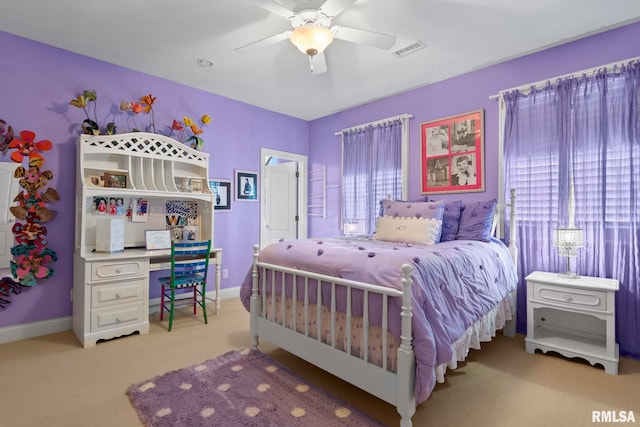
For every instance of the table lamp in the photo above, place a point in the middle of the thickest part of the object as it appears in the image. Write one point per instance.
(568, 241)
(350, 228)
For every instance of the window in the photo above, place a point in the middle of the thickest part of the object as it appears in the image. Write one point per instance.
(374, 167)
(572, 153)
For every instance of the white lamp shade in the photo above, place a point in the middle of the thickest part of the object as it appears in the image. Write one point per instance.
(350, 228)
(311, 39)
(568, 240)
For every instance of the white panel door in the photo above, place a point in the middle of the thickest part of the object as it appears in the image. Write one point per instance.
(281, 202)
(7, 194)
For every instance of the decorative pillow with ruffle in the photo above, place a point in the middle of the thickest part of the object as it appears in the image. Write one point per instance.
(407, 230)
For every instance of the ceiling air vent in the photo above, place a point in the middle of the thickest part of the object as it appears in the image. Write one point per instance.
(409, 49)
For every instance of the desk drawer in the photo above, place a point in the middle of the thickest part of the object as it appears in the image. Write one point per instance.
(116, 316)
(570, 297)
(117, 293)
(113, 269)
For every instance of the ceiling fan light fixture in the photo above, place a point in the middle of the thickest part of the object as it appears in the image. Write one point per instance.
(311, 39)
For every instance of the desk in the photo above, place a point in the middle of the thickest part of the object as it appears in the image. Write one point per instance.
(111, 291)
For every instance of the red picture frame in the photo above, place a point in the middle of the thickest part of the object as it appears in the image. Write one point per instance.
(452, 154)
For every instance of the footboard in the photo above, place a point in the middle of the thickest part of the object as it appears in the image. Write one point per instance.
(277, 323)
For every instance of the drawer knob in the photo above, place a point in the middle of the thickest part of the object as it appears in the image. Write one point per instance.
(119, 270)
(567, 297)
(118, 294)
(118, 319)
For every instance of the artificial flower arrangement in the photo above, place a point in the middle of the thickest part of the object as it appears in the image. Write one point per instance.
(142, 106)
(32, 257)
(195, 140)
(90, 126)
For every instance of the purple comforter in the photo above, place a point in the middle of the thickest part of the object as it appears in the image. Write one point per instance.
(455, 284)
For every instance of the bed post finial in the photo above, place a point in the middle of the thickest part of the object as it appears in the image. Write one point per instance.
(255, 302)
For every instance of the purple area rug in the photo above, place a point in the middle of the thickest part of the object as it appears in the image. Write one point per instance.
(244, 388)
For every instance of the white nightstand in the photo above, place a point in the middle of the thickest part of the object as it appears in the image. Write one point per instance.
(573, 316)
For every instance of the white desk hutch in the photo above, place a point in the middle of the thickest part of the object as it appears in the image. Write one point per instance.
(111, 290)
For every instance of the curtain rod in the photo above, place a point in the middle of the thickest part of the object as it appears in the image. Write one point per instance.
(377, 122)
(587, 71)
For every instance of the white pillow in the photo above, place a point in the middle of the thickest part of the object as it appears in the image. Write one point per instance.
(407, 230)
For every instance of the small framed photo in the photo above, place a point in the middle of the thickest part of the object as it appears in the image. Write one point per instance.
(93, 181)
(246, 186)
(221, 190)
(114, 180)
(196, 185)
(190, 233)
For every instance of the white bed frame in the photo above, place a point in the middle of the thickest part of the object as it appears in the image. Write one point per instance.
(396, 388)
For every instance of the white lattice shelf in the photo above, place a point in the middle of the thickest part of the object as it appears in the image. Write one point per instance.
(150, 162)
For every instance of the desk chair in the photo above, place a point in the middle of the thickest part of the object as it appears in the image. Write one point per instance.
(189, 267)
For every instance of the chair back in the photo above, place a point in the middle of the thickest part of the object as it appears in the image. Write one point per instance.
(189, 259)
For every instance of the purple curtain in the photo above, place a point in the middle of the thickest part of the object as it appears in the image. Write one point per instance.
(371, 171)
(590, 126)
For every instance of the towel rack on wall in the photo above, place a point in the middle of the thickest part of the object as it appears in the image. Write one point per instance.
(317, 205)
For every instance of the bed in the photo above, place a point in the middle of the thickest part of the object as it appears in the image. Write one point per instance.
(393, 317)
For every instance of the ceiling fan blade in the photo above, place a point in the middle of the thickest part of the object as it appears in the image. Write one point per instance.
(267, 41)
(274, 7)
(369, 38)
(318, 64)
(333, 8)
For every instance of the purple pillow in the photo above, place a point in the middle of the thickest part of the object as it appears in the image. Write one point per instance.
(476, 220)
(400, 209)
(451, 216)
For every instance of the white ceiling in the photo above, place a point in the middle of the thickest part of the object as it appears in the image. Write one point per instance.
(165, 38)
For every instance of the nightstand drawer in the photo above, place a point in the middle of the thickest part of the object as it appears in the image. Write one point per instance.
(116, 270)
(579, 298)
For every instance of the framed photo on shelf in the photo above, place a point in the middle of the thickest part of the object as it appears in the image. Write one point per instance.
(93, 181)
(221, 189)
(452, 154)
(246, 186)
(196, 185)
(114, 180)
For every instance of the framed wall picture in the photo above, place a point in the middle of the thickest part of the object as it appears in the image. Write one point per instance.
(221, 189)
(246, 185)
(452, 156)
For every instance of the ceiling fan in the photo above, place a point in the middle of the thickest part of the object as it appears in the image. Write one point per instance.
(312, 31)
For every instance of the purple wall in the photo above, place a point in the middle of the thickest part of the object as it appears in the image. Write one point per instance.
(455, 96)
(38, 81)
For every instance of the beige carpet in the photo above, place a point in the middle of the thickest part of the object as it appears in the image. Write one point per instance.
(52, 381)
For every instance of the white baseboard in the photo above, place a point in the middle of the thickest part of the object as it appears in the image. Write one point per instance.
(62, 324)
(35, 329)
